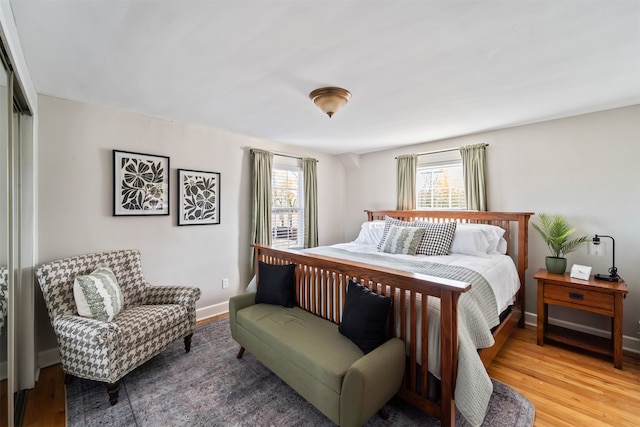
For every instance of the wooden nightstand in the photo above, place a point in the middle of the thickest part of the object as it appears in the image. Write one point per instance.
(589, 295)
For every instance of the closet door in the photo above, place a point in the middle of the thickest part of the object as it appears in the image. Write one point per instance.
(6, 390)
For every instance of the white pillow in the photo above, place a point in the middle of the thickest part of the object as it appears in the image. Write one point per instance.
(469, 241)
(501, 248)
(370, 232)
(493, 233)
(98, 295)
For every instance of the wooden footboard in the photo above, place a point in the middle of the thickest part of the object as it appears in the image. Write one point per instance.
(321, 284)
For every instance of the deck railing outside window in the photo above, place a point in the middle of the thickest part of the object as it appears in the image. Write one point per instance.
(286, 212)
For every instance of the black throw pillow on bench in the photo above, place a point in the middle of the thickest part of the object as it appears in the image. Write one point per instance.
(276, 284)
(364, 317)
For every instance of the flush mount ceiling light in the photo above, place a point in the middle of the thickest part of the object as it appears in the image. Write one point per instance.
(330, 99)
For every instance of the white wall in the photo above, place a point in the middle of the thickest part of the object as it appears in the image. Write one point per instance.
(75, 198)
(544, 167)
(584, 167)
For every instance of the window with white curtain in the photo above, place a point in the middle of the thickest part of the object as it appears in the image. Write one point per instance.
(287, 220)
(440, 184)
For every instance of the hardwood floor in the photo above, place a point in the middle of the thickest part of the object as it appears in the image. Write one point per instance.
(566, 387)
(569, 388)
(46, 402)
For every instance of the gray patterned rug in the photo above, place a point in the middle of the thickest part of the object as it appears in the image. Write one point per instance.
(210, 387)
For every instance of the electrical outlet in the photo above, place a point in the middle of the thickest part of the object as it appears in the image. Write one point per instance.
(225, 283)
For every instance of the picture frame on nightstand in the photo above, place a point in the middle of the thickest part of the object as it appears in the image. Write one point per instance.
(581, 272)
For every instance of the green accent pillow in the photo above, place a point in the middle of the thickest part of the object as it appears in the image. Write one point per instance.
(98, 295)
(403, 240)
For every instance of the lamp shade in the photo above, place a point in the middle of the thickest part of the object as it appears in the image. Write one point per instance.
(330, 99)
(597, 249)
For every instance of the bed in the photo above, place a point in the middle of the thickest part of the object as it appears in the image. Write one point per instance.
(322, 275)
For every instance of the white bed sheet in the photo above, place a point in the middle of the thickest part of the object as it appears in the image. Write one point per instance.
(499, 270)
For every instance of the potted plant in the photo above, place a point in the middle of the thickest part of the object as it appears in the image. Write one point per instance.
(555, 232)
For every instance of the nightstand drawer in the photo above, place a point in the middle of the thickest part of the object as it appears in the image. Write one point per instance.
(581, 297)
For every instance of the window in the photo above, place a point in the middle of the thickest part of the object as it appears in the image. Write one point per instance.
(440, 185)
(287, 220)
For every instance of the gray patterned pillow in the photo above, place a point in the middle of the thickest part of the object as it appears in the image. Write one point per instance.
(98, 295)
(437, 238)
(388, 222)
(403, 240)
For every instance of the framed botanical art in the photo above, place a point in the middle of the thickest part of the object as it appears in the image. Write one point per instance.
(198, 197)
(140, 184)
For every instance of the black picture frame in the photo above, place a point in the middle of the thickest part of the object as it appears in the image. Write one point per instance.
(198, 197)
(140, 184)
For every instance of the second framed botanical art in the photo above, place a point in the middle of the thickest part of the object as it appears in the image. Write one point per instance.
(140, 184)
(198, 197)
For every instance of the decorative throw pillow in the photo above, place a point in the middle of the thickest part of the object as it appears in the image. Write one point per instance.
(364, 317)
(388, 222)
(98, 295)
(276, 284)
(403, 240)
(437, 238)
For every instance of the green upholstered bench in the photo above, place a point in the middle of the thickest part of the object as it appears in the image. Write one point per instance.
(317, 361)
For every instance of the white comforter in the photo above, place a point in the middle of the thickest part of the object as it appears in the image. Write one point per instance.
(498, 270)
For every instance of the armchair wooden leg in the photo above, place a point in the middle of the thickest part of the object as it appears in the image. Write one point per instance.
(383, 413)
(240, 353)
(68, 378)
(113, 389)
(187, 343)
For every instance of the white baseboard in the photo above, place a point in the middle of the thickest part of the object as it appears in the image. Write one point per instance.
(631, 344)
(212, 310)
(48, 357)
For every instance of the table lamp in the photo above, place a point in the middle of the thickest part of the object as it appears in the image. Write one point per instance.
(598, 248)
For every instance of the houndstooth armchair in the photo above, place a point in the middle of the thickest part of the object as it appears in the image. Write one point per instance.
(152, 318)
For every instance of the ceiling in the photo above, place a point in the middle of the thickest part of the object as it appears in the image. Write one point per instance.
(418, 71)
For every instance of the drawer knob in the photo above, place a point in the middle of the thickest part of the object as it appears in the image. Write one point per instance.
(575, 295)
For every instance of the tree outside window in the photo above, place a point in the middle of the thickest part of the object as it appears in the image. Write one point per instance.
(440, 186)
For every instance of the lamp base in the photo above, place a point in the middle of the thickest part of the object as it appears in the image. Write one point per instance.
(607, 278)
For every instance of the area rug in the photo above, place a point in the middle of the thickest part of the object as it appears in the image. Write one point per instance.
(210, 387)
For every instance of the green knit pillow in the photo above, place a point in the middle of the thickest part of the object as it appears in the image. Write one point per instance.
(403, 240)
(98, 295)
